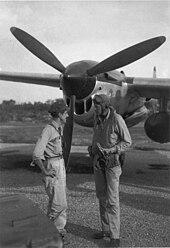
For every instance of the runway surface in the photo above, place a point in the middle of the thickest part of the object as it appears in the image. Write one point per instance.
(144, 194)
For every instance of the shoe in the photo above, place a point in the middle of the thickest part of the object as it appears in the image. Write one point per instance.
(65, 241)
(63, 232)
(101, 235)
(114, 243)
(64, 238)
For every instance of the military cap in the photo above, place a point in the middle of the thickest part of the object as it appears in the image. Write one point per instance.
(102, 99)
(59, 106)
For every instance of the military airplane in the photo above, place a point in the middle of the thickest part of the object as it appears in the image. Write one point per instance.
(81, 80)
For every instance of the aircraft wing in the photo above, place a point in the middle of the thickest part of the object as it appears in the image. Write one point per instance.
(150, 87)
(52, 80)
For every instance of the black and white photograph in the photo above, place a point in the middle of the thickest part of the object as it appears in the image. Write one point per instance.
(84, 124)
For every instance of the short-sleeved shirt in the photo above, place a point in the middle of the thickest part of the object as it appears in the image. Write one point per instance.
(49, 144)
(110, 133)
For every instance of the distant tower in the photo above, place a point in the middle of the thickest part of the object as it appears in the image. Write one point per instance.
(154, 72)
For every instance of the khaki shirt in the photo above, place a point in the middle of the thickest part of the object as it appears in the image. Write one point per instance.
(112, 132)
(49, 144)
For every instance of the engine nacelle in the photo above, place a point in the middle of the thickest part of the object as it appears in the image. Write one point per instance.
(157, 127)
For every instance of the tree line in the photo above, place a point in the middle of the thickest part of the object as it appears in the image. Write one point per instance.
(37, 111)
(12, 111)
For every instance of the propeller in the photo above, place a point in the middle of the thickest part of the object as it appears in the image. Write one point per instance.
(127, 56)
(37, 48)
(68, 131)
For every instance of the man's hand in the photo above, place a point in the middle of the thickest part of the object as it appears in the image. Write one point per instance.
(50, 172)
(102, 150)
(106, 151)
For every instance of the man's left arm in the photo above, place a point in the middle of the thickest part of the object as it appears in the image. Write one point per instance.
(125, 140)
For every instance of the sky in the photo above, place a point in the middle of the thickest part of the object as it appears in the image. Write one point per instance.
(78, 30)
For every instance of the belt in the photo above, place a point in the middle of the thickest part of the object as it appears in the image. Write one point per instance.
(55, 157)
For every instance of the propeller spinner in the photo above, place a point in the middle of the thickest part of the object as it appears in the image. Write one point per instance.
(78, 84)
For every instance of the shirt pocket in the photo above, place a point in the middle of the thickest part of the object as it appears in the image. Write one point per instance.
(56, 143)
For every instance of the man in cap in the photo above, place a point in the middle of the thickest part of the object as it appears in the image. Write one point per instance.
(111, 138)
(48, 155)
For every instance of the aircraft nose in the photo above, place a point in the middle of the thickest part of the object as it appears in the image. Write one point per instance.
(80, 86)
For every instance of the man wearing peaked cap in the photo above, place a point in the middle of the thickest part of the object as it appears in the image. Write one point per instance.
(48, 155)
(59, 106)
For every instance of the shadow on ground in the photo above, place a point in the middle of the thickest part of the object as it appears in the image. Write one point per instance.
(86, 233)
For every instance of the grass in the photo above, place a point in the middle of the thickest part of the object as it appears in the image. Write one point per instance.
(29, 133)
(22, 132)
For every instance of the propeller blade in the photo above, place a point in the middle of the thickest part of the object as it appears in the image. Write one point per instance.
(37, 48)
(68, 131)
(127, 56)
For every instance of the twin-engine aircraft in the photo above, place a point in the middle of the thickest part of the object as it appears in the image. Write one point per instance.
(132, 97)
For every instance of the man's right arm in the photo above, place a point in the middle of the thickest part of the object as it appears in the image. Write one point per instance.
(38, 153)
(42, 165)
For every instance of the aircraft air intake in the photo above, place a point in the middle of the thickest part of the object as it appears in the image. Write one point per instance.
(82, 106)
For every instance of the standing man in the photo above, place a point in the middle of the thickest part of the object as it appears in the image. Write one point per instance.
(48, 155)
(111, 138)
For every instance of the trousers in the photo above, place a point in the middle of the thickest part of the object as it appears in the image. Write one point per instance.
(56, 190)
(107, 191)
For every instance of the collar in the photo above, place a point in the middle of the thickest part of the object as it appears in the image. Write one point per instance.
(56, 124)
(101, 121)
